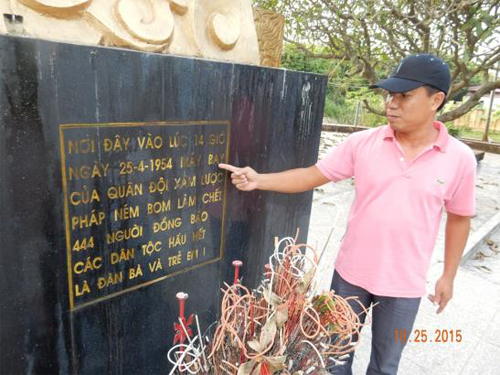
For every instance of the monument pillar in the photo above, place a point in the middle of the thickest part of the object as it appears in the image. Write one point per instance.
(112, 201)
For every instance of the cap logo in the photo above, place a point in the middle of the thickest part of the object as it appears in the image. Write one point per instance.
(399, 67)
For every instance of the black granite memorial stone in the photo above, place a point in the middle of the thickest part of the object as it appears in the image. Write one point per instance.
(112, 201)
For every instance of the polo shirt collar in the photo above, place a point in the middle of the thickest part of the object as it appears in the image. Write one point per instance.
(442, 139)
(441, 142)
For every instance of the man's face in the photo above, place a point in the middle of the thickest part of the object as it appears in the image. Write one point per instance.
(410, 110)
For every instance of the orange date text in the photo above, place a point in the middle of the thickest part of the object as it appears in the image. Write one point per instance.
(428, 336)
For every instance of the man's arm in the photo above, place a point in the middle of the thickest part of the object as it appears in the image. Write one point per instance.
(290, 181)
(456, 234)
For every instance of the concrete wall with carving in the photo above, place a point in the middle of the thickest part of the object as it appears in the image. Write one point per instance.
(213, 29)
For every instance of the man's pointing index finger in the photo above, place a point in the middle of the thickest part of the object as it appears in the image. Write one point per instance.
(229, 168)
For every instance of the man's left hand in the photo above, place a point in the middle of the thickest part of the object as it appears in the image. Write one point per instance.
(443, 293)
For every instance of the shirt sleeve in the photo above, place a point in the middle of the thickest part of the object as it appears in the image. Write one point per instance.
(339, 163)
(463, 199)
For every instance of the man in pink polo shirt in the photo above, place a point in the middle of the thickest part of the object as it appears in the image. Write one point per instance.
(404, 174)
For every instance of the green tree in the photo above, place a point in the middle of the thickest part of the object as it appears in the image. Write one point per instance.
(344, 92)
(373, 35)
(336, 106)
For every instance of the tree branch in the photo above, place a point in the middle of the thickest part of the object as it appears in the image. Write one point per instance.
(373, 110)
(471, 103)
(309, 53)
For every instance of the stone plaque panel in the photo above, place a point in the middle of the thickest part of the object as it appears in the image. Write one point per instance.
(142, 202)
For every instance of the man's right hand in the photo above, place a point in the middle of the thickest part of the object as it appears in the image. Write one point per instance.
(244, 179)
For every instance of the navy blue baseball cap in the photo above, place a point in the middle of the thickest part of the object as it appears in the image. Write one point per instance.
(416, 71)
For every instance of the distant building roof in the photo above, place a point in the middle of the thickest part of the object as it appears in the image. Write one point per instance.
(473, 89)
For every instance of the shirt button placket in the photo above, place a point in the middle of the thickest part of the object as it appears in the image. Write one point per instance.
(404, 167)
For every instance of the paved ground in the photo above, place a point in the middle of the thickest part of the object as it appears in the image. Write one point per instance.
(475, 308)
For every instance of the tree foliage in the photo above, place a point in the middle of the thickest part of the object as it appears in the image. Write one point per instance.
(344, 93)
(373, 35)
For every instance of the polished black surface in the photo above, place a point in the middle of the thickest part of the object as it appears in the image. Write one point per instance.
(54, 93)
(142, 202)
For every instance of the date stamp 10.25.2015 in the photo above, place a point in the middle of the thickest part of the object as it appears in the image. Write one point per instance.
(428, 336)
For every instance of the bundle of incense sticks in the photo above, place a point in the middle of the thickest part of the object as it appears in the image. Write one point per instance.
(283, 327)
